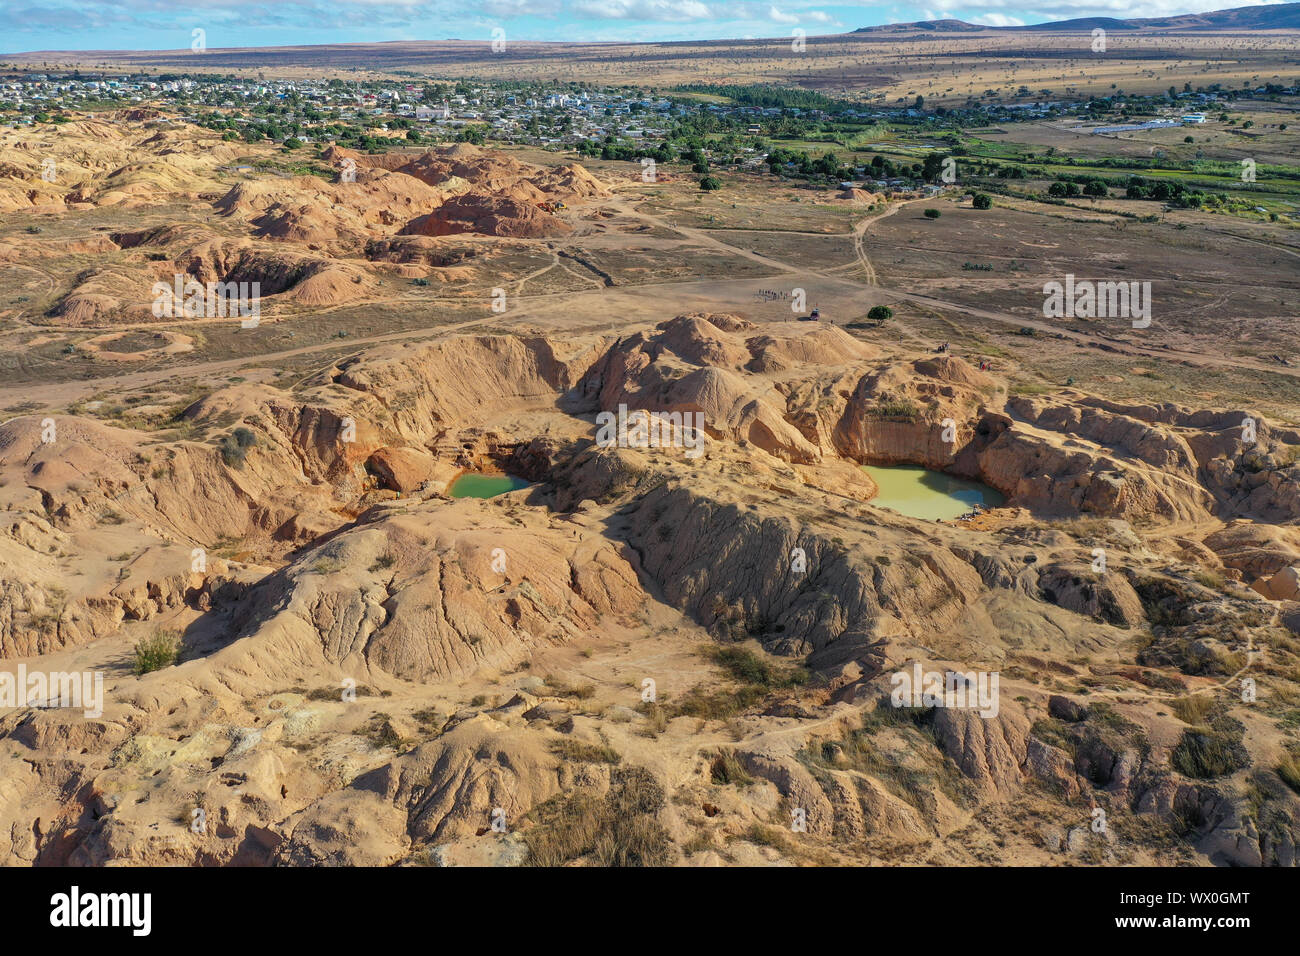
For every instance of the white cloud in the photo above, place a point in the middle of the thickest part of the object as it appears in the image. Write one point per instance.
(519, 8)
(997, 20)
(655, 10)
(1119, 9)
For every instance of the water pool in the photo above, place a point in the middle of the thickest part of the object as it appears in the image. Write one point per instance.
(476, 485)
(920, 493)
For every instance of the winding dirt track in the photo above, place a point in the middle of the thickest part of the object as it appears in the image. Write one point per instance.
(58, 394)
(1005, 318)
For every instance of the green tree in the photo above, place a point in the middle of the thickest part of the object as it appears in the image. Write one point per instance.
(932, 166)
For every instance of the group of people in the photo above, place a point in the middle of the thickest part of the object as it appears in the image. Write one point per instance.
(986, 365)
(772, 295)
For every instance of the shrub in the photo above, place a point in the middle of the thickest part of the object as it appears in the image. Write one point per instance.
(888, 408)
(581, 752)
(1208, 752)
(932, 214)
(623, 829)
(564, 689)
(880, 314)
(727, 769)
(1193, 709)
(234, 447)
(747, 667)
(718, 704)
(1209, 579)
(156, 652)
(381, 733)
(710, 183)
(656, 718)
(982, 201)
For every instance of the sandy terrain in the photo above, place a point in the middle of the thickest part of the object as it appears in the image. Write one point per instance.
(651, 655)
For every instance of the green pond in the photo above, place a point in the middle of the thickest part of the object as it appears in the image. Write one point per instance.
(474, 485)
(921, 493)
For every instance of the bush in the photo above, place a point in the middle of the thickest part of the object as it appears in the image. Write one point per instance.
(1192, 709)
(1208, 752)
(932, 214)
(1210, 580)
(727, 769)
(234, 447)
(749, 668)
(897, 409)
(982, 201)
(579, 751)
(231, 452)
(880, 314)
(623, 829)
(1289, 771)
(710, 183)
(156, 652)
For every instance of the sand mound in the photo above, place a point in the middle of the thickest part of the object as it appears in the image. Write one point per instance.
(436, 193)
(384, 582)
(487, 215)
(690, 365)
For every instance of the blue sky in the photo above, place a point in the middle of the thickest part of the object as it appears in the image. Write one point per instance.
(29, 25)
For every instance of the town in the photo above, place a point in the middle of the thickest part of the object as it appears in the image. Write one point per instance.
(738, 127)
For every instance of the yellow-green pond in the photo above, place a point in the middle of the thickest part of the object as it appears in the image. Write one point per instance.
(921, 493)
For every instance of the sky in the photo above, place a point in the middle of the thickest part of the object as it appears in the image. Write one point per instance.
(31, 25)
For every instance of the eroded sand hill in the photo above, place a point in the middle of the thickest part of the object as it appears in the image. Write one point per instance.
(499, 648)
(318, 240)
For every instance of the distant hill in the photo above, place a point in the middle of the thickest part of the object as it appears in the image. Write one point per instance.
(1276, 16)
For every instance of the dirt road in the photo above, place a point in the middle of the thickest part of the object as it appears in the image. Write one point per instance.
(632, 303)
